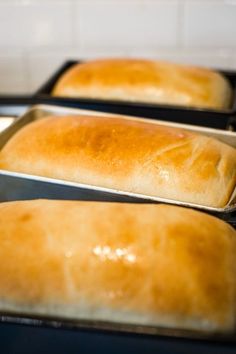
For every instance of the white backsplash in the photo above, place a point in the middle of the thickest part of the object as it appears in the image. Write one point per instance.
(37, 36)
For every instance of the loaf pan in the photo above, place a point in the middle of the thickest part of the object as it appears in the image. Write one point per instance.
(14, 185)
(27, 336)
(224, 119)
(16, 105)
(114, 338)
(27, 339)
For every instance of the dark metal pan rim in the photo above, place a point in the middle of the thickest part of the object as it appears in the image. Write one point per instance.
(109, 327)
(134, 104)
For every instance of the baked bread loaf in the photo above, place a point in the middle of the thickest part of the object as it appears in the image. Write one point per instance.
(127, 155)
(130, 263)
(145, 81)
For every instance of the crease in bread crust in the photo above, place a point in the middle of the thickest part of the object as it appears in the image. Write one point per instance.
(129, 263)
(126, 155)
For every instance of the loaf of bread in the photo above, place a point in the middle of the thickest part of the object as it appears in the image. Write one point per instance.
(131, 263)
(128, 155)
(145, 81)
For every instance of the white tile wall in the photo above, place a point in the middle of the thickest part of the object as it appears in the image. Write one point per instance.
(33, 23)
(210, 23)
(129, 24)
(42, 65)
(37, 36)
(13, 73)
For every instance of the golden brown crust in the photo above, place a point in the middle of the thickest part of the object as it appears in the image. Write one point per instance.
(127, 155)
(153, 264)
(145, 81)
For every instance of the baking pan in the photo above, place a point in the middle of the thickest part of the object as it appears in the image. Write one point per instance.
(15, 105)
(14, 185)
(108, 326)
(25, 336)
(109, 330)
(224, 119)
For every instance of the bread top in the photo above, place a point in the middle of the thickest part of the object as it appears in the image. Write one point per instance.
(135, 263)
(145, 81)
(127, 155)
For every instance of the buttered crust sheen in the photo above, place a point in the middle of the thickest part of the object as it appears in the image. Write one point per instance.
(126, 155)
(144, 264)
(145, 81)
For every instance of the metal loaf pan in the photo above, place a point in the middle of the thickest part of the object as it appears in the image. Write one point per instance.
(73, 336)
(14, 186)
(218, 119)
(16, 105)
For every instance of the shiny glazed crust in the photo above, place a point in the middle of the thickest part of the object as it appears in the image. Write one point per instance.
(129, 263)
(145, 81)
(126, 155)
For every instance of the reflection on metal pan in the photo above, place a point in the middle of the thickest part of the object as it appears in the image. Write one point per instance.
(5, 122)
